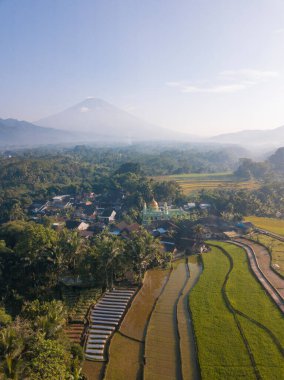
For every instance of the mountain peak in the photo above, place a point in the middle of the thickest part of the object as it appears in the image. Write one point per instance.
(100, 120)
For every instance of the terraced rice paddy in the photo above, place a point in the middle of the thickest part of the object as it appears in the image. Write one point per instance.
(157, 327)
(134, 326)
(185, 329)
(275, 248)
(239, 331)
(191, 183)
(162, 351)
(273, 225)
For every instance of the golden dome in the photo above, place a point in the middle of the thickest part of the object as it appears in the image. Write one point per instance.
(154, 204)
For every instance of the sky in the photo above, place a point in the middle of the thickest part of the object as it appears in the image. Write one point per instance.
(199, 66)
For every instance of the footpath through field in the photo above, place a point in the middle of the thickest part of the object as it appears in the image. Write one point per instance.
(259, 259)
(264, 262)
(162, 349)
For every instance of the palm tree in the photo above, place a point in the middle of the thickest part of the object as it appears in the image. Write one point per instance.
(110, 252)
(11, 349)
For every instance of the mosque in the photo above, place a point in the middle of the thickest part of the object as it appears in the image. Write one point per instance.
(153, 212)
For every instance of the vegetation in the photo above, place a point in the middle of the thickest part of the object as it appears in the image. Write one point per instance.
(275, 248)
(221, 352)
(273, 225)
(192, 183)
(34, 347)
(251, 317)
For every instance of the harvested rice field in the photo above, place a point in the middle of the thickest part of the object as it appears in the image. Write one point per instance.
(189, 366)
(135, 322)
(193, 182)
(134, 326)
(162, 351)
(125, 359)
(270, 224)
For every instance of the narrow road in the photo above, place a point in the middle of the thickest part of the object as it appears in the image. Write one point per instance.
(251, 249)
(263, 259)
(271, 234)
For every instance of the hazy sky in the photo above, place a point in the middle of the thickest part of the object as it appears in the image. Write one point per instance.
(202, 66)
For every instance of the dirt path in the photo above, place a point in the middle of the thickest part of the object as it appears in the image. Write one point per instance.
(162, 350)
(261, 266)
(271, 234)
(190, 370)
(264, 262)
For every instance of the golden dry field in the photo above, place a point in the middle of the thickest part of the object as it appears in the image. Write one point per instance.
(187, 344)
(162, 358)
(191, 183)
(126, 359)
(126, 354)
(276, 249)
(270, 224)
(135, 322)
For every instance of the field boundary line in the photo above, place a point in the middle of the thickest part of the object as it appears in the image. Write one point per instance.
(200, 263)
(233, 311)
(260, 325)
(276, 293)
(176, 316)
(268, 250)
(272, 234)
(149, 318)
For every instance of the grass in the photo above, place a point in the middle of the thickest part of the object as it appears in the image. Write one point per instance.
(126, 355)
(270, 224)
(257, 309)
(221, 351)
(275, 247)
(255, 303)
(193, 182)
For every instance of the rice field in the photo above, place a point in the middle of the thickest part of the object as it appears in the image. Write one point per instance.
(270, 224)
(239, 331)
(221, 351)
(125, 359)
(130, 345)
(189, 366)
(276, 249)
(193, 182)
(162, 351)
(136, 319)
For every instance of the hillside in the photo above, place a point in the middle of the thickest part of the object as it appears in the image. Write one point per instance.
(21, 133)
(269, 137)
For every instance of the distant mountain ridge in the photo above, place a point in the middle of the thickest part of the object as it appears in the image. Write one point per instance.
(100, 120)
(23, 133)
(272, 137)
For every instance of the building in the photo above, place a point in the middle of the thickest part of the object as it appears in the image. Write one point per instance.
(153, 212)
